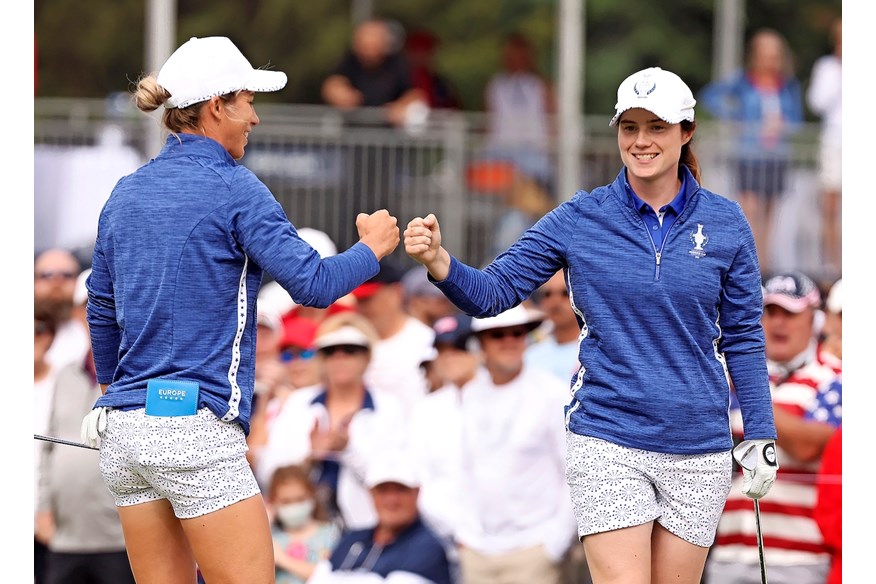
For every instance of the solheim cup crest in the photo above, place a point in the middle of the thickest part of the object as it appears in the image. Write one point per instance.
(644, 86)
(699, 240)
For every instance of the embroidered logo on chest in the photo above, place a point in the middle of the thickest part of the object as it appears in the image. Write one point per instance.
(699, 239)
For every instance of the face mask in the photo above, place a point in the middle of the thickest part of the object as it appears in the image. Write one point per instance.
(295, 515)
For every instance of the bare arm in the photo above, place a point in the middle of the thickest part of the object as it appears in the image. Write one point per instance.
(339, 92)
(803, 439)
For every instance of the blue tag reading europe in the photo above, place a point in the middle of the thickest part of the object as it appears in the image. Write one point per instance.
(168, 397)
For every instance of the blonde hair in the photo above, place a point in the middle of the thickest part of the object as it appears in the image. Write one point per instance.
(149, 96)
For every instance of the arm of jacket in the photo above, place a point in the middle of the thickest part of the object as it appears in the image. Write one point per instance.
(259, 224)
(743, 342)
(512, 277)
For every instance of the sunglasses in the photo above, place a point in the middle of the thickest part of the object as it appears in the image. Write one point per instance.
(292, 354)
(506, 332)
(345, 349)
(53, 275)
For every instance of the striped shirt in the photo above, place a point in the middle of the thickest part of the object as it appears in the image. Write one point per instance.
(790, 534)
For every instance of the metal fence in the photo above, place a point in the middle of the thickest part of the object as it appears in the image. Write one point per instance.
(325, 166)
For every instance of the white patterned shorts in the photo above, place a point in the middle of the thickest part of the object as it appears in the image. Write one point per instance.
(614, 487)
(198, 463)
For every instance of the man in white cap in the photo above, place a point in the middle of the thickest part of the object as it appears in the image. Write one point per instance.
(400, 548)
(516, 521)
(798, 368)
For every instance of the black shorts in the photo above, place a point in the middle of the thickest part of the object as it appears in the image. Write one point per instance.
(765, 177)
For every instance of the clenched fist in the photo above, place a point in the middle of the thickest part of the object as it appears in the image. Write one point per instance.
(379, 231)
(423, 243)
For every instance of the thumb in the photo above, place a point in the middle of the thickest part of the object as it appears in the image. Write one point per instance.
(430, 220)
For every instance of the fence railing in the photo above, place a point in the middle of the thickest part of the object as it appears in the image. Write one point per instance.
(325, 166)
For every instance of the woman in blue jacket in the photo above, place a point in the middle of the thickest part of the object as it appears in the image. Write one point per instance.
(763, 106)
(663, 275)
(181, 247)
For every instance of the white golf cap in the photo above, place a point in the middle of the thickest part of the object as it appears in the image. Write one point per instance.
(346, 335)
(517, 316)
(319, 240)
(392, 468)
(204, 67)
(661, 92)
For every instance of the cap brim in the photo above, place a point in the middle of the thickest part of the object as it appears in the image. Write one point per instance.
(342, 336)
(795, 305)
(367, 290)
(265, 81)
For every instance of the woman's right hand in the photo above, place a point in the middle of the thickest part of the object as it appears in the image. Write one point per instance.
(423, 243)
(379, 231)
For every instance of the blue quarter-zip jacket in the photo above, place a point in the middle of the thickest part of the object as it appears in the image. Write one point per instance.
(661, 328)
(181, 247)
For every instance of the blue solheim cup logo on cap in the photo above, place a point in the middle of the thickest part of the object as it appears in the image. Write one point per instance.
(699, 240)
(645, 86)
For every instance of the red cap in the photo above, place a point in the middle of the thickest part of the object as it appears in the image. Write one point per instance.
(298, 332)
(367, 290)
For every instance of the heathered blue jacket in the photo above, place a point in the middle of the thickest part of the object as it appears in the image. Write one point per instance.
(660, 327)
(177, 266)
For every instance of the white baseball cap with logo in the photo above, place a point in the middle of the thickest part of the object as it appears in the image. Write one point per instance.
(661, 92)
(205, 67)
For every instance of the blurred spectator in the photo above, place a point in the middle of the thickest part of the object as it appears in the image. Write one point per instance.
(433, 375)
(794, 550)
(54, 283)
(302, 535)
(825, 99)
(74, 508)
(273, 383)
(828, 511)
(516, 519)
(520, 106)
(526, 202)
(420, 48)
(558, 351)
(400, 548)
(422, 299)
(403, 340)
(372, 74)
(436, 426)
(338, 426)
(298, 353)
(44, 374)
(832, 332)
(764, 105)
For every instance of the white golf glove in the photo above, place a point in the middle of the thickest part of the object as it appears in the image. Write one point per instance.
(93, 426)
(759, 465)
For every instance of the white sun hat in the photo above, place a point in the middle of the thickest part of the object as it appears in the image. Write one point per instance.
(661, 92)
(519, 315)
(204, 67)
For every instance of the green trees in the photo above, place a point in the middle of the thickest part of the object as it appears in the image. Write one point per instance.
(97, 51)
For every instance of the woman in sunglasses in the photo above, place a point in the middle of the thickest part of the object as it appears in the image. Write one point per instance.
(664, 277)
(338, 425)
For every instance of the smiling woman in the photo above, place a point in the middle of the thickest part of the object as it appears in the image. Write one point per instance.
(181, 247)
(663, 276)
